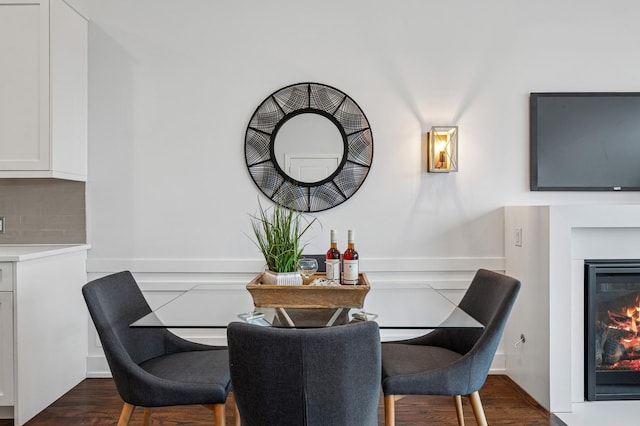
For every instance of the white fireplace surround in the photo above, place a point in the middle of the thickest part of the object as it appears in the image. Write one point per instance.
(550, 262)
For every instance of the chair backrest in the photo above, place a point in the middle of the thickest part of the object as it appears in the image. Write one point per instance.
(114, 302)
(306, 377)
(489, 300)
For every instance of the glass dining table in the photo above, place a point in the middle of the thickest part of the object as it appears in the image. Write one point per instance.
(207, 306)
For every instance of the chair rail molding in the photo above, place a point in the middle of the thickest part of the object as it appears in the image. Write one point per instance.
(220, 265)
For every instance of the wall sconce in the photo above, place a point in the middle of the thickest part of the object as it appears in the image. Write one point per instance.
(442, 149)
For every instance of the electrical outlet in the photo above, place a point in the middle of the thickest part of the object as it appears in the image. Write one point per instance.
(517, 237)
(1, 224)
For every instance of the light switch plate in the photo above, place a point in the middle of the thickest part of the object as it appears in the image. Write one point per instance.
(1, 224)
(517, 237)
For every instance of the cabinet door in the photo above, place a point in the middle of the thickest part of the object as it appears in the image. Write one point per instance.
(6, 348)
(69, 90)
(6, 276)
(24, 86)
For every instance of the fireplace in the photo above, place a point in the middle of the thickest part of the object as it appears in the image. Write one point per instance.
(612, 329)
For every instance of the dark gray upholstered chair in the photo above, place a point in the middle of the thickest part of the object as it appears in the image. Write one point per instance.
(306, 377)
(153, 367)
(451, 361)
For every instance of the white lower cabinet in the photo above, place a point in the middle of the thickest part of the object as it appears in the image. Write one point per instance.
(6, 348)
(43, 331)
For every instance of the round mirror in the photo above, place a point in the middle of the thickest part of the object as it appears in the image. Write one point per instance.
(295, 156)
(308, 147)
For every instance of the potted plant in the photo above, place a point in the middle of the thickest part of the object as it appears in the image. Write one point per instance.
(277, 232)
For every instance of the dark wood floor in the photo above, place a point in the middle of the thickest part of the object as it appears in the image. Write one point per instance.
(96, 402)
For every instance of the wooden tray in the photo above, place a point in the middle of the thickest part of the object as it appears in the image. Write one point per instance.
(308, 296)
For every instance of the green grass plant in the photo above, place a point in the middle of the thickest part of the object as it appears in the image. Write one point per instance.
(277, 232)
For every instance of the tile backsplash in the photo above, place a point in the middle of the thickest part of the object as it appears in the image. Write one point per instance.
(43, 211)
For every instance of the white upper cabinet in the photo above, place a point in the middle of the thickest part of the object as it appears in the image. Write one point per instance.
(43, 90)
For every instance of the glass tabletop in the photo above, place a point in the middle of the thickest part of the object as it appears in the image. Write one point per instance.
(207, 306)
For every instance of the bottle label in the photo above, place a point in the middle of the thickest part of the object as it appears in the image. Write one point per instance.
(350, 272)
(333, 269)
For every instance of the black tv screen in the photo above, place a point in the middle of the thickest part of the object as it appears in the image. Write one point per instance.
(585, 141)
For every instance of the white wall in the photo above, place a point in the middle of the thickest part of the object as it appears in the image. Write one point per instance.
(172, 85)
(81, 6)
(528, 363)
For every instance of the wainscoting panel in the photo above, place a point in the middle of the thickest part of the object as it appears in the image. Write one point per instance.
(161, 280)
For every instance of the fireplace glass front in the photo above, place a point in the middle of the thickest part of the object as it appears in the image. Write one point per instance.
(612, 326)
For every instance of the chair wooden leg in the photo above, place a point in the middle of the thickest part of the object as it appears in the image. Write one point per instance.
(457, 400)
(146, 418)
(218, 412)
(236, 414)
(125, 414)
(478, 411)
(389, 410)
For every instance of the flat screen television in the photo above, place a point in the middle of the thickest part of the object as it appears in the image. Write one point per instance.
(585, 141)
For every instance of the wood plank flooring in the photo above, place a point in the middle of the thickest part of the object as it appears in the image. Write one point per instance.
(96, 402)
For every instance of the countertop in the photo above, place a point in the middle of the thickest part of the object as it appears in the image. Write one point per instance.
(20, 252)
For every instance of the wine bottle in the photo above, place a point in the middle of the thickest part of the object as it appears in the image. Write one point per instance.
(350, 261)
(333, 259)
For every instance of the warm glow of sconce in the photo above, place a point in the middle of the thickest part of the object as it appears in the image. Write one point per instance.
(443, 149)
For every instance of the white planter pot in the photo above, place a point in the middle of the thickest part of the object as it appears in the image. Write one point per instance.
(281, 278)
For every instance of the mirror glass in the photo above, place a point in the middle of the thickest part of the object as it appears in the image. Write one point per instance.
(308, 147)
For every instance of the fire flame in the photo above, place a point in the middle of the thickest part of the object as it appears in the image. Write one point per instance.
(628, 317)
(628, 321)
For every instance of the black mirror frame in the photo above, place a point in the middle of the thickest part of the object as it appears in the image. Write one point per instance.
(281, 106)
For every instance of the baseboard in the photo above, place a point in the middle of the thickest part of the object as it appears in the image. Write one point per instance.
(499, 364)
(97, 367)
(6, 412)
